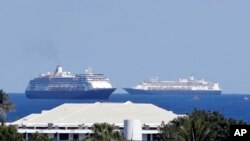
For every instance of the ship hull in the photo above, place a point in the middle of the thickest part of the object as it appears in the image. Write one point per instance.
(171, 92)
(96, 94)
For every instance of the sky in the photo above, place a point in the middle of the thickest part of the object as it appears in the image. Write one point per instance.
(128, 40)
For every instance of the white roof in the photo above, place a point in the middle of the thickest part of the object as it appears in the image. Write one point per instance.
(89, 113)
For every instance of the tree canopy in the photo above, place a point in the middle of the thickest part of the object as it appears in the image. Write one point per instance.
(5, 106)
(40, 137)
(105, 132)
(9, 133)
(199, 125)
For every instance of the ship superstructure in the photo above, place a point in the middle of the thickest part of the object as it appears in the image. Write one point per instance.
(65, 85)
(183, 86)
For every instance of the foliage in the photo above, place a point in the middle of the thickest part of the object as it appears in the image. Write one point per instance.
(40, 137)
(219, 123)
(169, 131)
(9, 133)
(200, 125)
(5, 106)
(194, 129)
(105, 132)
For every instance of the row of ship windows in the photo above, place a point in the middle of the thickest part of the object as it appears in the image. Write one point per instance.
(74, 78)
(66, 81)
(169, 84)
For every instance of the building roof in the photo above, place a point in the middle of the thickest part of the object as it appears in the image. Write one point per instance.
(89, 113)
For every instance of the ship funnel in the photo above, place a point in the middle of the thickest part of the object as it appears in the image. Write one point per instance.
(59, 70)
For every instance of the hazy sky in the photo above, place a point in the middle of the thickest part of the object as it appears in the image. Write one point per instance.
(128, 40)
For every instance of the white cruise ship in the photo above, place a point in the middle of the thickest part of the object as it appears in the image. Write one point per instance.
(183, 86)
(65, 85)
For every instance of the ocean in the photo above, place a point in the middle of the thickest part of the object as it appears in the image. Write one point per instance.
(231, 105)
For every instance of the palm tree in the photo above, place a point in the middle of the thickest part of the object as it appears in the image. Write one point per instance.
(194, 130)
(5, 106)
(105, 132)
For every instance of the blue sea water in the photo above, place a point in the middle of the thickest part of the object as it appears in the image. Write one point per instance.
(231, 105)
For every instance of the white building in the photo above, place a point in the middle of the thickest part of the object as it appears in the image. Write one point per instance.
(74, 121)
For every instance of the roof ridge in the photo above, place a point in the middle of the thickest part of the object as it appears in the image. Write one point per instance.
(60, 119)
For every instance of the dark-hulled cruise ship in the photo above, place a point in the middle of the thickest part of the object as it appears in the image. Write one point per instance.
(182, 87)
(64, 85)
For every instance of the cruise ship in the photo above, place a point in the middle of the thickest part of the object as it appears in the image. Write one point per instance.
(65, 85)
(182, 87)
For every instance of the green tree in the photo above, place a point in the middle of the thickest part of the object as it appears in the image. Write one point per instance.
(194, 130)
(105, 132)
(40, 137)
(5, 106)
(218, 123)
(9, 133)
(199, 125)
